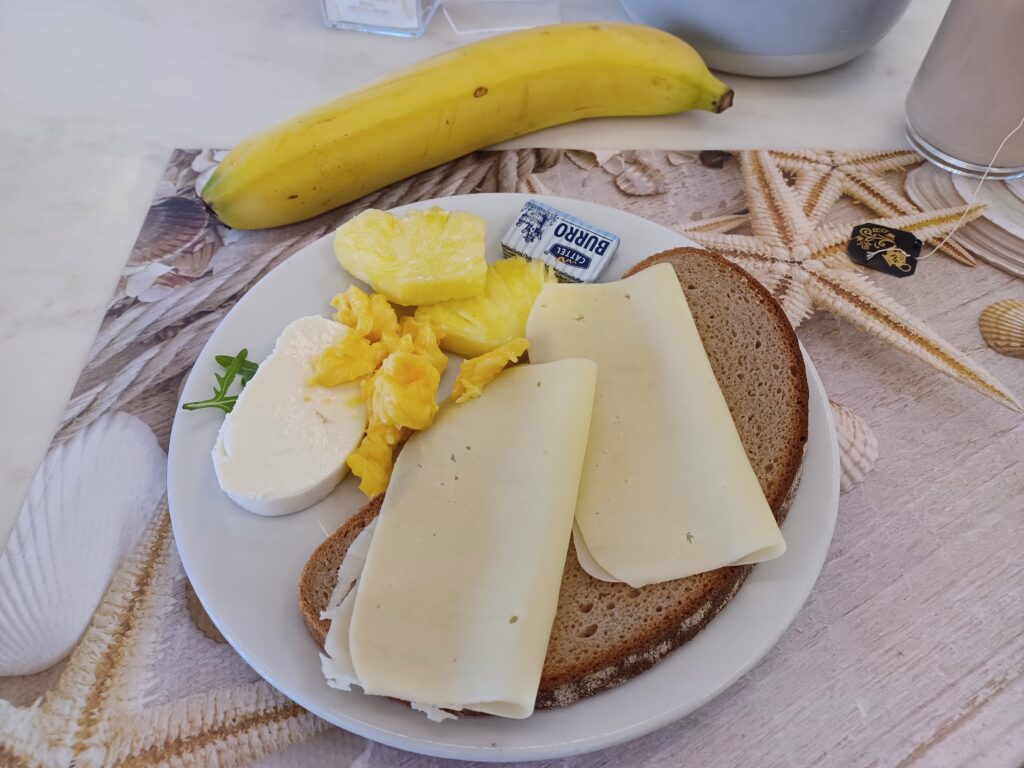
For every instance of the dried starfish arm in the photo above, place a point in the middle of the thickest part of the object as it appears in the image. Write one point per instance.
(934, 225)
(876, 162)
(848, 294)
(726, 223)
(776, 216)
(820, 192)
(207, 728)
(746, 246)
(796, 298)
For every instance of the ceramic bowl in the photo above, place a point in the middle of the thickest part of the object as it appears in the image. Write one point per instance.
(772, 38)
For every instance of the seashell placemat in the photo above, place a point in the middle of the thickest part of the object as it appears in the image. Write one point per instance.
(904, 652)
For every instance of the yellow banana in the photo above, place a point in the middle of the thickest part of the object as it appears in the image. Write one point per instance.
(453, 104)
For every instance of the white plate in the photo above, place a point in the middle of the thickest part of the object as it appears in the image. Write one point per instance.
(246, 568)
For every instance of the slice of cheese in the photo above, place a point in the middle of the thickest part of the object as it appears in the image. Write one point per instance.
(667, 489)
(283, 446)
(456, 600)
(351, 566)
(336, 663)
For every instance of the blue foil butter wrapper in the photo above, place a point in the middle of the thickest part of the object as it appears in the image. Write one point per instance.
(577, 251)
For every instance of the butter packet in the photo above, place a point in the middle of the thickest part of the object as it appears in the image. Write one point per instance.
(577, 251)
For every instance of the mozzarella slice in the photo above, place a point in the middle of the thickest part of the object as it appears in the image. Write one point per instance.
(283, 447)
(454, 606)
(667, 490)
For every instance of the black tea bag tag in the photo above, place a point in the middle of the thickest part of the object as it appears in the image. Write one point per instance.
(888, 250)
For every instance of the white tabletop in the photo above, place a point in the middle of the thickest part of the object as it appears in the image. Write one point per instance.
(95, 95)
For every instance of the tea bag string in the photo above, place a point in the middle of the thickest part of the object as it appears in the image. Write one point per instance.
(974, 196)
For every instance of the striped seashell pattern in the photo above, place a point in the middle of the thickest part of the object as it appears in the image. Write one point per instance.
(858, 447)
(88, 503)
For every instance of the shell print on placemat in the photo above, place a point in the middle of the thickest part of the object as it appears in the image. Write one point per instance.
(110, 707)
(1002, 326)
(633, 172)
(88, 503)
(640, 178)
(171, 226)
(858, 447)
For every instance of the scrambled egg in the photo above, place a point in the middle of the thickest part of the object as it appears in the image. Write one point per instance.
(369, 316)
(403, 392)
(398, 363)
(374, 459)
(350, 359)
(477, 373)
(426, 341)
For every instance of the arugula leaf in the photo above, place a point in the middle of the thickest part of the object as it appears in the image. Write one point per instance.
(246, 371)
(234, 367)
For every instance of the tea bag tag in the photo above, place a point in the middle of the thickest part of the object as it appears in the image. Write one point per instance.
(888, 250)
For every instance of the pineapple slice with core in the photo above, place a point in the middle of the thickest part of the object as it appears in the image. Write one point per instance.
(472, 327)
(420, 257)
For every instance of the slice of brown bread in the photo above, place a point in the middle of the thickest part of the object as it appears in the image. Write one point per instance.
(604, 633)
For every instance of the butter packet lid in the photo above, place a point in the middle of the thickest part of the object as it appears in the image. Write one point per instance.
(577, 251)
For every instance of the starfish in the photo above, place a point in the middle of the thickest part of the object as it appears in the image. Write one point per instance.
(99, 712)
(824, 177)
(805, 266)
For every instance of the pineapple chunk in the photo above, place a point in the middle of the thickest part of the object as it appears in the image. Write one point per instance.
(472, 327)
(421, 257)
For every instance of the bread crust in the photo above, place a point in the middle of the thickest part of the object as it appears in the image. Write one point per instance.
(605, 634)
(320, 573)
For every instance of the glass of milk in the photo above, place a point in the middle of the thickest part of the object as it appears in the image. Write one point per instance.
(969, 93)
